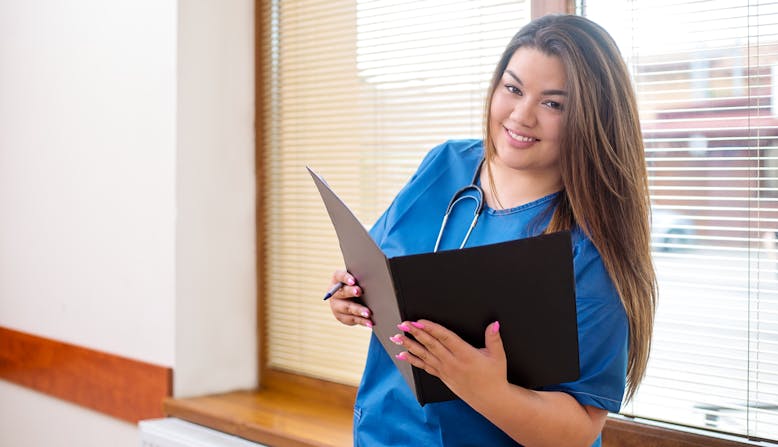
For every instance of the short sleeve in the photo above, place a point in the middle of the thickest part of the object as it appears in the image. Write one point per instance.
(378, 230)
(603, 333)
(392, 213)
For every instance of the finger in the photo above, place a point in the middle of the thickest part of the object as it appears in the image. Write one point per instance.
(347, 292)
(415, 348)
(353, 320)
(493, 340)
(349, 307)
(417, 362)
(349, 312)
(344, 277)
(440, 341)
(343, 285)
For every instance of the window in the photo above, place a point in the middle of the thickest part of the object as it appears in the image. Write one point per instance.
(705, 73)
(359, 90)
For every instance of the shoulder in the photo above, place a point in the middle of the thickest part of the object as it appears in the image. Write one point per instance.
(463, 146)
(451, 155)
(450, 164)
(445, 168)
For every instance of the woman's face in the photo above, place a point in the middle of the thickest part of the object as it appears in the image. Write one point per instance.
(526, 114)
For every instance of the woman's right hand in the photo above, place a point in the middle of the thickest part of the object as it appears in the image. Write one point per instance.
(343, 304)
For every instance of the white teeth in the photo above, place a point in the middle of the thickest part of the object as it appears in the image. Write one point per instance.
(520, 137)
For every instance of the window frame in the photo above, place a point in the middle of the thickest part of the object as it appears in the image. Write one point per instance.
(619, 430)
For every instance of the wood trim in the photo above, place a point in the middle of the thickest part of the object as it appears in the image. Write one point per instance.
(127, 389)
(260, 20)
(272, 417)
(539, 8)
(620, 432)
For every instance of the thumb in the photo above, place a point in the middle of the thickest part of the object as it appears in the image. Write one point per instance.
(493, 339)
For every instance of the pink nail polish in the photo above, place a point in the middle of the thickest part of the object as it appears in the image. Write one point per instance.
(369, 324)
(401, 356)
(496, 327)
(350, 281)
(356, 291)
(396, 339)
(417, 325)
(403, 327)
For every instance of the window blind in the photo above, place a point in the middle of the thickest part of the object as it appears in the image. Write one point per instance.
(359, 90)
(706, 74)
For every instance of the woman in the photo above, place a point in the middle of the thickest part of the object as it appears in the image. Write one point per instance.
(562, 151)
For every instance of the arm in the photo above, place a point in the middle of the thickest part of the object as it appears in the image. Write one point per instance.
(479, 377)
(542, 418)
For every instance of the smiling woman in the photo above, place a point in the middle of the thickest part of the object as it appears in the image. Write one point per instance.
(561, 154)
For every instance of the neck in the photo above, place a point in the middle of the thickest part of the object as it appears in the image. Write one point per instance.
(513, 187)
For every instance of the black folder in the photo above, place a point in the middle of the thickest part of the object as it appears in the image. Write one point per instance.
(526, 284)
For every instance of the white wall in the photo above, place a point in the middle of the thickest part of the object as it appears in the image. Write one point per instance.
(127, 194)
(29, 418)
(87, 162)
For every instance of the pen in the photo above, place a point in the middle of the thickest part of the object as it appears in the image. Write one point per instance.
(332, 291)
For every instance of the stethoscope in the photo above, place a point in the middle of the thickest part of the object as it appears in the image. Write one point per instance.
(458, 197)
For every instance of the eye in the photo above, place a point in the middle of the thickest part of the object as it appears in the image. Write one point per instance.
(513, 89)
(553, 105)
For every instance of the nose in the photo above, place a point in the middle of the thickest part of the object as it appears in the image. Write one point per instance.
(524, 113)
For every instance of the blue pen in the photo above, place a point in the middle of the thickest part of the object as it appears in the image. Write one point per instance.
(332, 291)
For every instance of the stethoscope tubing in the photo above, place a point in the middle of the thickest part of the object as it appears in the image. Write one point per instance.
(459, 196)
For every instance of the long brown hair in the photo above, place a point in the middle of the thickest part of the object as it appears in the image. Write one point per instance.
(602, 162)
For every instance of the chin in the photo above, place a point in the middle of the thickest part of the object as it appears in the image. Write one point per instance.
(511, 157)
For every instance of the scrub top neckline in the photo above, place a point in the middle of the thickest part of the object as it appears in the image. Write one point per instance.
(517, 209)
(537, 202)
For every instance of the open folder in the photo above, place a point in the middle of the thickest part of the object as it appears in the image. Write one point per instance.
(525, 284)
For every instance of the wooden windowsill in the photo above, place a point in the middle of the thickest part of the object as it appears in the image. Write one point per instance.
(624, 432)
(293, 411)
(306, 413)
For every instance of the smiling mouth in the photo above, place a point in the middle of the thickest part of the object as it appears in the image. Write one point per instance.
(518, 137)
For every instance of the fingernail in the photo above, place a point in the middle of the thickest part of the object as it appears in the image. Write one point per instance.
(396, 339)
(496, 327)
(356, 291)
(403, 327)
(417, 325)
(369, 324)
(365, 313)
(401, 356)
(350, 281)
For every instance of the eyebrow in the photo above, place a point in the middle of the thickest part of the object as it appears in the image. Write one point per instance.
(544, 92)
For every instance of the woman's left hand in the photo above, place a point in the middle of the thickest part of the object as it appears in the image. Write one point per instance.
(469, 372)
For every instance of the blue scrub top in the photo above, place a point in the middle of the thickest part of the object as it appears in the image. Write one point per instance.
(386, 412)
